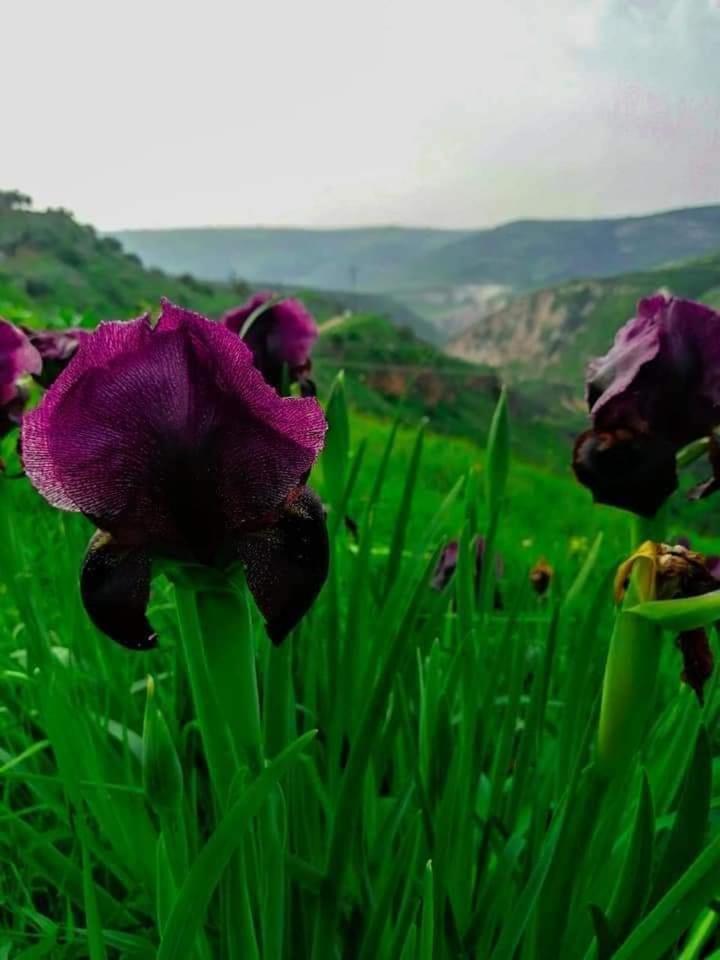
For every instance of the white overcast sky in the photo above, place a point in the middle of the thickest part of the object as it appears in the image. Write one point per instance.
(337, 112)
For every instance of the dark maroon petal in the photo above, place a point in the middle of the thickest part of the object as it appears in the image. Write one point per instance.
(636, 344)
(169, 436)
(18, 357)
(115, 590)
(11, 413)
(56, 348)
(662, 374)
(697, 660)
(713, 566)
(286, 565)
(635, 472)
(446, 565)
(307, 386)
(280, 336)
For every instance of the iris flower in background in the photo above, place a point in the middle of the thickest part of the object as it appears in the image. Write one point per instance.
(654, 392)
(280, 334)
(56, 349)
(169, 440)
(447, 564)
(18, 359)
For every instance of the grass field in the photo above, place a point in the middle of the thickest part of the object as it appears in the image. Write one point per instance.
(410, 775)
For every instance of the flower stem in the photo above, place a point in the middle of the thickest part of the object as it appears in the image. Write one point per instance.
(230, 653)
(214, 731)
(632, 666)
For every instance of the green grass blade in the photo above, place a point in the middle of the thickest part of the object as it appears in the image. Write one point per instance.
(678, 908)
(498, 456)
(687, 836)
(188, 912)
(633, 887)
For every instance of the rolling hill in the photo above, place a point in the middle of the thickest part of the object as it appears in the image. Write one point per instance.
(520, 256)
(552, 332)
(56, 271)
(49, 262)
(354, 259)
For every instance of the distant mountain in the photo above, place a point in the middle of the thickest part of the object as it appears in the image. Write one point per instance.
(518, 256)
(553, 332)
(355, 259)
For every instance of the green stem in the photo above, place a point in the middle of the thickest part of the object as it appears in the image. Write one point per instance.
(219, 649)
(230, 653)
(214, 731)
(631, 669)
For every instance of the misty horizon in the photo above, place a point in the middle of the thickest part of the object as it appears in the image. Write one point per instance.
(332, 114)
(439, 228)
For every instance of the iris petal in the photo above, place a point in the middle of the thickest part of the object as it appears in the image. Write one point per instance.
(143, 414)
(280, 336)
(115, 590)
(286, 564)
(625, 469)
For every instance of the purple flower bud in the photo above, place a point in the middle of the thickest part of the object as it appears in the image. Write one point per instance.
(281, 335)
(18, 358)
(445, 567)
(656, 390)
(169, 440)
(56, 348)
(447, 564)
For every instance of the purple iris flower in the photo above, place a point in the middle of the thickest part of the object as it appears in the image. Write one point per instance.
(656, 390)
(169, 440)
(56, 348)
(447, 564)
(280, 334)
(18, 358)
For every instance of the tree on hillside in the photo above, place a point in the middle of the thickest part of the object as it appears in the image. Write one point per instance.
(14, 200)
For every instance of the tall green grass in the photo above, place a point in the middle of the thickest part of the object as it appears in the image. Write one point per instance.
(409, 776)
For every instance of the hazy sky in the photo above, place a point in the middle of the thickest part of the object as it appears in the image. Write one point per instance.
(330, 112)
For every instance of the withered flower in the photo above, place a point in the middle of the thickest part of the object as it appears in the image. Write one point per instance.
(541, 576)
(678, 573)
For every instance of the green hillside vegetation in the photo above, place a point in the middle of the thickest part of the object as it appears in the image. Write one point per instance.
(48, 260)
(522, 255)
(556, 330)
(388, 369)
(532, 253)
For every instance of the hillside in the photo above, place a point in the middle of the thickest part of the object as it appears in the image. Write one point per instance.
(553, 332)
(389, 370)
(522, 255)
(56, 271)
(50, 263)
